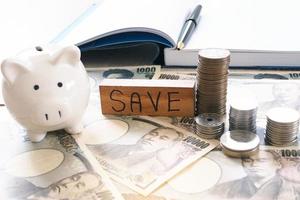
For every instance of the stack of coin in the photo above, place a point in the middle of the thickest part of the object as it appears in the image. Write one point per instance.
(282, 126)
(242, 115)
(212, 72)
(239, 143)
(209, 125)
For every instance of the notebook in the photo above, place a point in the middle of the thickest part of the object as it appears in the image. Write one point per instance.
(258, 32)
(117, 22)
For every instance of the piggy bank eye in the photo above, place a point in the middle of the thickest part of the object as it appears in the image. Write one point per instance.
(36, 87)
(59, 84)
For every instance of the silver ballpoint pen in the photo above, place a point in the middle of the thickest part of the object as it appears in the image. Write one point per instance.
(189, 27)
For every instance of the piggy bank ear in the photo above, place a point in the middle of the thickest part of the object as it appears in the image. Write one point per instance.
(70, 54)
(12, 69)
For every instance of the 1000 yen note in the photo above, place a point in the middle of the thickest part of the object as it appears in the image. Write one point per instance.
(191, 74)
(264, 74)
(55, 168)
(273, 173)
(142, 152)
(268, 94)
(124, 72)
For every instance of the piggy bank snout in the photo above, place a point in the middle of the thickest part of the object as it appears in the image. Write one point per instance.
(51, 113)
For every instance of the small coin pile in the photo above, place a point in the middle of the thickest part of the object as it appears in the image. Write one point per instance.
(242, 115)
(239, 143)
(209, 125)
(212, 75)
(282, 126)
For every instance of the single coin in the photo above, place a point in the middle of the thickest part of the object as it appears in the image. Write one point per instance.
(239, 140)
(240, 105)
(283, 115)
(282, 126)
(212, 53)
(239, 154)
(283, 144)
(242, 115)
(210, 125)
(210, 119)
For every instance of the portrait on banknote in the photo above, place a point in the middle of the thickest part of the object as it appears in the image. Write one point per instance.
(271, 174)
(55, 168)
(154, 153)
(124, 72)
(285, 94)
(77, 186)
(147, 152)
(267, 93)
(118, 73)
(267, 175)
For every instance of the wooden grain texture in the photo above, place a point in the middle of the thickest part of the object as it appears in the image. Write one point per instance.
(148, 97)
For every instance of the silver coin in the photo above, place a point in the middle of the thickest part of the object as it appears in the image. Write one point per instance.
(282, 126)
(243, 119)
(209, 125)
(206, 136)
(239, 154)
(243, 105)
(239, 140)
(281, 131)
(283, 144)
(212, 76)
(209, 119)
(280, 140)
(283, 115)
(220, 131)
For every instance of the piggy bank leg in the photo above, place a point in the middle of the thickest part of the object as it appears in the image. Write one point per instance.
(75, 129)
(36, 136)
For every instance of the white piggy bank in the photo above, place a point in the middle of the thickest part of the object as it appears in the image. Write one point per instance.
(46, 89)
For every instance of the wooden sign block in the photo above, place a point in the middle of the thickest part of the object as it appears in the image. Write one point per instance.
(148, 97)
